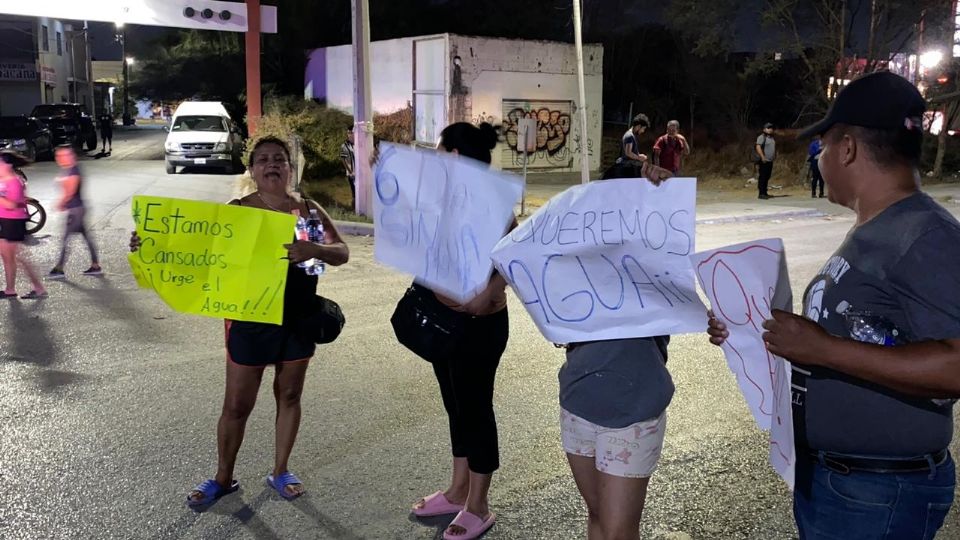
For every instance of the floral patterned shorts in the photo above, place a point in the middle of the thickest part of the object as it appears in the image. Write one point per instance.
(630, 452)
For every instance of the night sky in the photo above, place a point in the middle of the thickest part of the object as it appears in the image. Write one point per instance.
(103, 46)
(600, 18)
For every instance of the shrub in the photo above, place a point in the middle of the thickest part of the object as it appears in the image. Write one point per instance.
(321, 131)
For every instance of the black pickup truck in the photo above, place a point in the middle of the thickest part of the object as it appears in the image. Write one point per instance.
(69, 123)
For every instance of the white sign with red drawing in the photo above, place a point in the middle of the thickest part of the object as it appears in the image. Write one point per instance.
(744, 283)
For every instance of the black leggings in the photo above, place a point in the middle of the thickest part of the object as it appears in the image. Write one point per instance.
(466, 385)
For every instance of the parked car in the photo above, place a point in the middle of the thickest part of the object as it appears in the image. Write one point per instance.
(27, 136)
(201, 134)
(69, 123)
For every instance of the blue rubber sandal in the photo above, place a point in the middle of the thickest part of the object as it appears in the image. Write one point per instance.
(211, 491)
(281, 482)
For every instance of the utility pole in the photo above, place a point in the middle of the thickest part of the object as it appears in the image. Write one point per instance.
(122, 38)
(923, 15)
(582, 108)
(73, 66)
(362, 127)
(88, 68)
(252, 58)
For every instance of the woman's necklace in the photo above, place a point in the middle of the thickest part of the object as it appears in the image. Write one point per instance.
(275, 209)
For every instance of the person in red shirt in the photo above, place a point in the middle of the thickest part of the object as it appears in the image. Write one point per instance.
(670, 148)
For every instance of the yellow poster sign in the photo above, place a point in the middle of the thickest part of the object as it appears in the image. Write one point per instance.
(211, 259)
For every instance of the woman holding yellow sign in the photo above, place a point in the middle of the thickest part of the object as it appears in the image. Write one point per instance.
(252, 346)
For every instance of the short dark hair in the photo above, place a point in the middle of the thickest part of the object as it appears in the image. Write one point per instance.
(469, 140)
(269, 140)
(640, 120)
(887, 147)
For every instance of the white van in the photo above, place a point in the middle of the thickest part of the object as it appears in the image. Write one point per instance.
(201, 134)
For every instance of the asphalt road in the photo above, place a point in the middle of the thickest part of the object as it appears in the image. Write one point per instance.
(109, 400)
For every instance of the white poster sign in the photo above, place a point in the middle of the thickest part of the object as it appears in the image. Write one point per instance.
(744, 284)
(438, 216)
(608, 260)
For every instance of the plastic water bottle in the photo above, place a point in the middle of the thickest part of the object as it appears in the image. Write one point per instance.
(868, 327)
(315, 234)
(302, 231)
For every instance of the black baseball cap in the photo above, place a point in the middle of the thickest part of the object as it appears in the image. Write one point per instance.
(768, 125)
(879, 100)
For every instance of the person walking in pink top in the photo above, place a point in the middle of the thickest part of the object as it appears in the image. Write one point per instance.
(13, 227)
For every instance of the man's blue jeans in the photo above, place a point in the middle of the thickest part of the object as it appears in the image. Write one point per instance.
(864, 505)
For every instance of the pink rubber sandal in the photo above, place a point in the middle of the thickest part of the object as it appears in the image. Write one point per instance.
(473, 525)
(436, 505)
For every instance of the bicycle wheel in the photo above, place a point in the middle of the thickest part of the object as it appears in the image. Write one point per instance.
(36, 216)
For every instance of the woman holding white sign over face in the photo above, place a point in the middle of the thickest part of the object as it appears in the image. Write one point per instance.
(466, 376)
(252, 346)
(613, 400)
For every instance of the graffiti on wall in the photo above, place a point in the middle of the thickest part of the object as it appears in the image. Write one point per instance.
(554, 144)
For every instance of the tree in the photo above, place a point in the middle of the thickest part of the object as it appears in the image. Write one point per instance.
(187, 64)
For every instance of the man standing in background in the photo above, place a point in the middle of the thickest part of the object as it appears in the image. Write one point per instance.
(106, 133)
(813, 157)
(766, 149)
(670, 148)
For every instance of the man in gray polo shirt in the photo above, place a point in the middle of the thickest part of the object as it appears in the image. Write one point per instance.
(766, 150)
(876, 359)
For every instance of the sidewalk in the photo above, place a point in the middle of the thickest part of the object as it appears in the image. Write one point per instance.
(736, 206)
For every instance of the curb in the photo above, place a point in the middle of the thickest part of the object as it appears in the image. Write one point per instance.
(812, 213)
(354, 228)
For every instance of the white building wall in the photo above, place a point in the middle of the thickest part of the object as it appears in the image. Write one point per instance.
(495, 77)
(502, 80)
(391, 75)
(59, 90)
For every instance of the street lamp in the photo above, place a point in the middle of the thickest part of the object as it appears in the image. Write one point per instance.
(931, 59)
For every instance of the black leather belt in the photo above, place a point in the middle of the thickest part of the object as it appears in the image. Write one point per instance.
(845, 464)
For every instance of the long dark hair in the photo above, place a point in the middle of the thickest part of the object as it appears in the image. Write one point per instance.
(470, 140)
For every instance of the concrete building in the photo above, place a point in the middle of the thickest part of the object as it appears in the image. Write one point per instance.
(42, 60)
(448, 78)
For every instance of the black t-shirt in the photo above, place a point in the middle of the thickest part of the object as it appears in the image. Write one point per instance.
(77, 200)
(894, 280)
(629, 138)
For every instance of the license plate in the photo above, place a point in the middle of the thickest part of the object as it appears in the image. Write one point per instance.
(200, 161)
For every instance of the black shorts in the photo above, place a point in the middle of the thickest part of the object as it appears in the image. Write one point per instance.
(13, 230)
(259, 344)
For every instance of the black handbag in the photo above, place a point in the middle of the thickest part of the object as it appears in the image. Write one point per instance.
(427, 327)
(322, 320)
